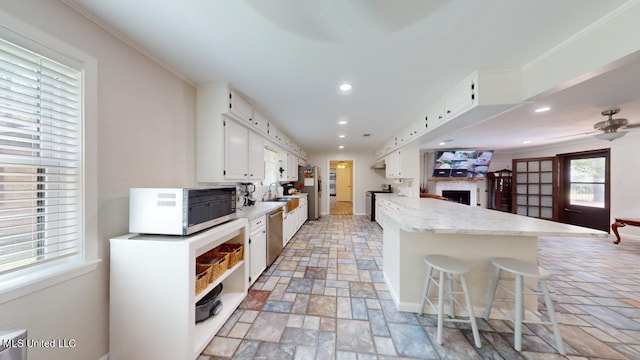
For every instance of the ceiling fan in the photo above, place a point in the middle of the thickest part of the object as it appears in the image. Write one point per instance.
(610, 126)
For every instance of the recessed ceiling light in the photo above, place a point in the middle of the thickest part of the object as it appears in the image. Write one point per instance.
(341, 136)
(341, 147)
(445, 142)
(542, 109)
(527, 142)
(345, 87)
(342, 122)
(442, 143)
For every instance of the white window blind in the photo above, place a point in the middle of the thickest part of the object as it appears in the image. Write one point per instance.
(40, 159)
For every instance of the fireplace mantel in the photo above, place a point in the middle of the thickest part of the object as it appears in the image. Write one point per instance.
(455, 179)
(460, 184)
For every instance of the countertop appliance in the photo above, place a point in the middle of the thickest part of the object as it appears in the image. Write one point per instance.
(274, 235)
(179, 211)
(371, 200)
(309, 182)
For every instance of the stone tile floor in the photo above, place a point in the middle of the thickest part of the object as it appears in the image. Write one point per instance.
(325, 298)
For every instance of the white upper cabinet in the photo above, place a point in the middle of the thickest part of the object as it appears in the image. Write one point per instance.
(461, 98)
(240, 107)
(260, 123)
(256, 157)
(478, 97)
(292, 167)
(244, 153)
(403, 163)
(236, 150)
(230, 136)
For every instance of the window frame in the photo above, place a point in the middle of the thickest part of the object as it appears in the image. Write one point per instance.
(21, 282)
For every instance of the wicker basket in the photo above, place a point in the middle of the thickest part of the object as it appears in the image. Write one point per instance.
(203, 275)
(218, 264)
(235, 252)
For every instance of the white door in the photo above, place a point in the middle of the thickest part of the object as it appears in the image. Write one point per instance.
(343, 184)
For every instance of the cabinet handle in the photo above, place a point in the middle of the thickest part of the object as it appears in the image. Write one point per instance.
(448, 111)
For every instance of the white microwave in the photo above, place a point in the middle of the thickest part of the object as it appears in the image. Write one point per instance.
(179, 211)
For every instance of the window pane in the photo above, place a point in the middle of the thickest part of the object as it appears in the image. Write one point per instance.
(587, 195)
(546, 165)
(588, 170)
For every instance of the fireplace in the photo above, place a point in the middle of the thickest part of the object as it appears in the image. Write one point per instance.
(459, 196)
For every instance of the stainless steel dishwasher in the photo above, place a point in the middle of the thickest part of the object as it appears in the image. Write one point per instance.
(274, 235)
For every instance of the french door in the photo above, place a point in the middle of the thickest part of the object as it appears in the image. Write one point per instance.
(585, 189)
(533, 187)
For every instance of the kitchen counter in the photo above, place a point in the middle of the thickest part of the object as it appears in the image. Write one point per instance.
(263, 207)
(260, 208)
(446, 217)
(416, 227)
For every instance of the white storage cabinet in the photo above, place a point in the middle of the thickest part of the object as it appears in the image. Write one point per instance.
(257, 247)
(152, 293)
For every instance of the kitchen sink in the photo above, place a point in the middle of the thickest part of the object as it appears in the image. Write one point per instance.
(291, 201)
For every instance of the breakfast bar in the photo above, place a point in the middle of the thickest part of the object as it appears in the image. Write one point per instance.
(416, 227)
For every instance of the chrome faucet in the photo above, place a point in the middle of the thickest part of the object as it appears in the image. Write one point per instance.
(269, 191)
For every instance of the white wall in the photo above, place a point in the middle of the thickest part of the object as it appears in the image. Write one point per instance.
(146, 124)
(364, 178)
(625, 172)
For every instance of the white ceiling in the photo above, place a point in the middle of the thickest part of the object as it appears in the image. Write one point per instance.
(288, 57)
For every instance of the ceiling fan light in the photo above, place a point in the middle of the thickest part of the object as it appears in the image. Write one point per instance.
(610, 135)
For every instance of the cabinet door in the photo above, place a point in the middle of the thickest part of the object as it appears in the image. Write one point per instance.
(239, 107)
(273, 132)
(256, 156)
(258, 253)
(461, 98)
(260, 123)
(236, 151)
(292, 167)
(392, 165)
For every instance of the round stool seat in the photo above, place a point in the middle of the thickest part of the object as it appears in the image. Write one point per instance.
(520, 268)
(446, 264)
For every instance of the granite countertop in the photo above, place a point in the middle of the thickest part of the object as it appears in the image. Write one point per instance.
(444, 217)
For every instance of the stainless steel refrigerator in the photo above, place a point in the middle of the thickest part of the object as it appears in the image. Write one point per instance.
(310, 182)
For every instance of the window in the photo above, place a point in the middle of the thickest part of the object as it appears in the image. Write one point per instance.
(40, 159)
(587, 182)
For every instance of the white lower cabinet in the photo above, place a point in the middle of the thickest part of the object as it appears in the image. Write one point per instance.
(288, 226)
(152, 293)
(294, 219)
(257, 248)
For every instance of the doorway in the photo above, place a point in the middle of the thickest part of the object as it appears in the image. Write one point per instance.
(585, 189)
(341, 185)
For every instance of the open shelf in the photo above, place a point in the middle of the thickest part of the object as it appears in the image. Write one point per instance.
(222, 278)
(152, 292)
(206, 330)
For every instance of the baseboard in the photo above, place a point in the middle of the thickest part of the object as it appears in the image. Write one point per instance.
(105, 357)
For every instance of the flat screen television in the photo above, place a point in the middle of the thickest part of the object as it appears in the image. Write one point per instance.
(472, 164)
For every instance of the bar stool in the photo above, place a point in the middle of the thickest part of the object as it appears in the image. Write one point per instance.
(448, 267)
(521, 269)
